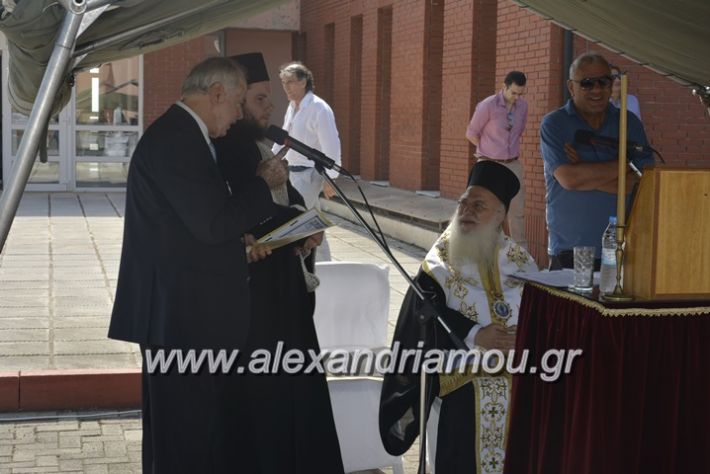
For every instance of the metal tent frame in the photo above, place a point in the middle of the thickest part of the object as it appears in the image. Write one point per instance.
(39, 117)
(65, 57)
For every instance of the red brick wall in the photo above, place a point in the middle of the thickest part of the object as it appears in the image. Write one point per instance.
(468, 71)
(352, 78)
(527, 43)
(481, 41)
(433, 61)
(164, 71)
(330, 62)
(369, 106)
(407, 95)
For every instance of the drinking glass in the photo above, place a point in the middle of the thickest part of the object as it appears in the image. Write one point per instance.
(583, 268)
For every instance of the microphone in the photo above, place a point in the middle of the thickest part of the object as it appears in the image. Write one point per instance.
(587, 137)
(280, 136)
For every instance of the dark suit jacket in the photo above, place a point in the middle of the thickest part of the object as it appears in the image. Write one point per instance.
(183, 279)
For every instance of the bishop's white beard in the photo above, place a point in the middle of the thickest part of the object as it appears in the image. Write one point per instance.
(472, 247)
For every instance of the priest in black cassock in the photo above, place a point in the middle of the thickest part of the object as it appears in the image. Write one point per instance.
(468, 271)
(288, 420)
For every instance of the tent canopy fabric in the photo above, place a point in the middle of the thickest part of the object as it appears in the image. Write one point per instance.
(31, 28)
(671, 37)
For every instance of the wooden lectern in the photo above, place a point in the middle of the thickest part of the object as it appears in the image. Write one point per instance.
(667, 252)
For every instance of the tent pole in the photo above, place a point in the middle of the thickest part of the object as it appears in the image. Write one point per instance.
(94, 4)
(53, 77)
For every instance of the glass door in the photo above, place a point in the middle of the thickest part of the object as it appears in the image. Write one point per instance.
(108, 121)
(90, 142)
(49, 176)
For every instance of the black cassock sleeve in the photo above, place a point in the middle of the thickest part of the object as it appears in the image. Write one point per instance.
(399, 401)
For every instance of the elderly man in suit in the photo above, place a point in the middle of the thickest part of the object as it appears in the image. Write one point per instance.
(183, 279)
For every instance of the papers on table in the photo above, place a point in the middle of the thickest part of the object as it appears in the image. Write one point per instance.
(558, 278)
(306, 224)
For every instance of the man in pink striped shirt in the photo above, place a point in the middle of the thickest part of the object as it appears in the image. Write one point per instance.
(495, 129)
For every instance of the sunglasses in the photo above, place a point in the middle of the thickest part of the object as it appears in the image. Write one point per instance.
(588, 82)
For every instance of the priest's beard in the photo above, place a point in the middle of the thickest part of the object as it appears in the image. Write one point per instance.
(474, 247)
(248, 128)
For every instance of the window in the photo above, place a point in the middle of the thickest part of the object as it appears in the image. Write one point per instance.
(108, 123)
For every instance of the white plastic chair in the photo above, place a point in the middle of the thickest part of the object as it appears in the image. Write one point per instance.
(352, 308)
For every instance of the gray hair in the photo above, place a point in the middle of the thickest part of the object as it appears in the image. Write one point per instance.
(586, 58)
(298, 69)
(211, 71)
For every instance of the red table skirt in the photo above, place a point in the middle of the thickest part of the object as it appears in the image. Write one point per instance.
(636, 401)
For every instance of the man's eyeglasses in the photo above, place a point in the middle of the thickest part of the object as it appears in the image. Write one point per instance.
(588, 82)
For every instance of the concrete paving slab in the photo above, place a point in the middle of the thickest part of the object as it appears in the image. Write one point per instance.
(70, 284)
(25, 362)
(22, 301)
(13, 275)
(82, 300)
(31, 292)
(98, 361)
(81, 334)
(15, 348)
(85, 292)
(14, 312)
(75, 291)
(27, 263)
(24, 335)
(81, 321)
(91, 347)
(60, 311)
(23, 323)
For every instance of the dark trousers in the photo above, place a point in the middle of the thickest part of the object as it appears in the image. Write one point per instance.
(192, 423)
(565, 259)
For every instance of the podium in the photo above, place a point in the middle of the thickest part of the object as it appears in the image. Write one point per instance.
(634, 402)
(668, 236)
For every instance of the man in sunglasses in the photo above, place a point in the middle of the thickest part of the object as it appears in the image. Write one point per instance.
(581, 179)
(495, 129)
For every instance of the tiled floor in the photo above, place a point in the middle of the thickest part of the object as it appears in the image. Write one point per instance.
(57, 282)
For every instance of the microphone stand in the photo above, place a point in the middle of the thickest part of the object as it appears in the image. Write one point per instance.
(426, 314)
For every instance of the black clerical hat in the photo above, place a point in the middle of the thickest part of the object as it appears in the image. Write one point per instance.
(254, 65)
(496, 178)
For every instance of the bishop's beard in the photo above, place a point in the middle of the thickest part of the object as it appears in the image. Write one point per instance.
(473, 247)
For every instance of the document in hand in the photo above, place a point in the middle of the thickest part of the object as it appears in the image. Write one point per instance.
(300, 227)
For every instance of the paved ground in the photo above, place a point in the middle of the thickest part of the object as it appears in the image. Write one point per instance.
(95, 444)
(57, 281)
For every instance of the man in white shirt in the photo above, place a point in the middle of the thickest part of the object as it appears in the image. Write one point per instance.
(309, 119)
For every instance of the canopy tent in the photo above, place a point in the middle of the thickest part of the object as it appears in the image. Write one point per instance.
(669, 36)
(49, 40)
(125, 29)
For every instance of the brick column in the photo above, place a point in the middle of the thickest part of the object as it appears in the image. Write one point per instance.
(407, 109)
(468, 70)
(375, 110)
(527, 43)
(164, 72)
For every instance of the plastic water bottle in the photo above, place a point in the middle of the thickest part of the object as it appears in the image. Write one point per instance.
(607, 281)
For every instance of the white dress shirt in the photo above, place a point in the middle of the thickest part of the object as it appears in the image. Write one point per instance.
(203, 128)
(313, 124)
